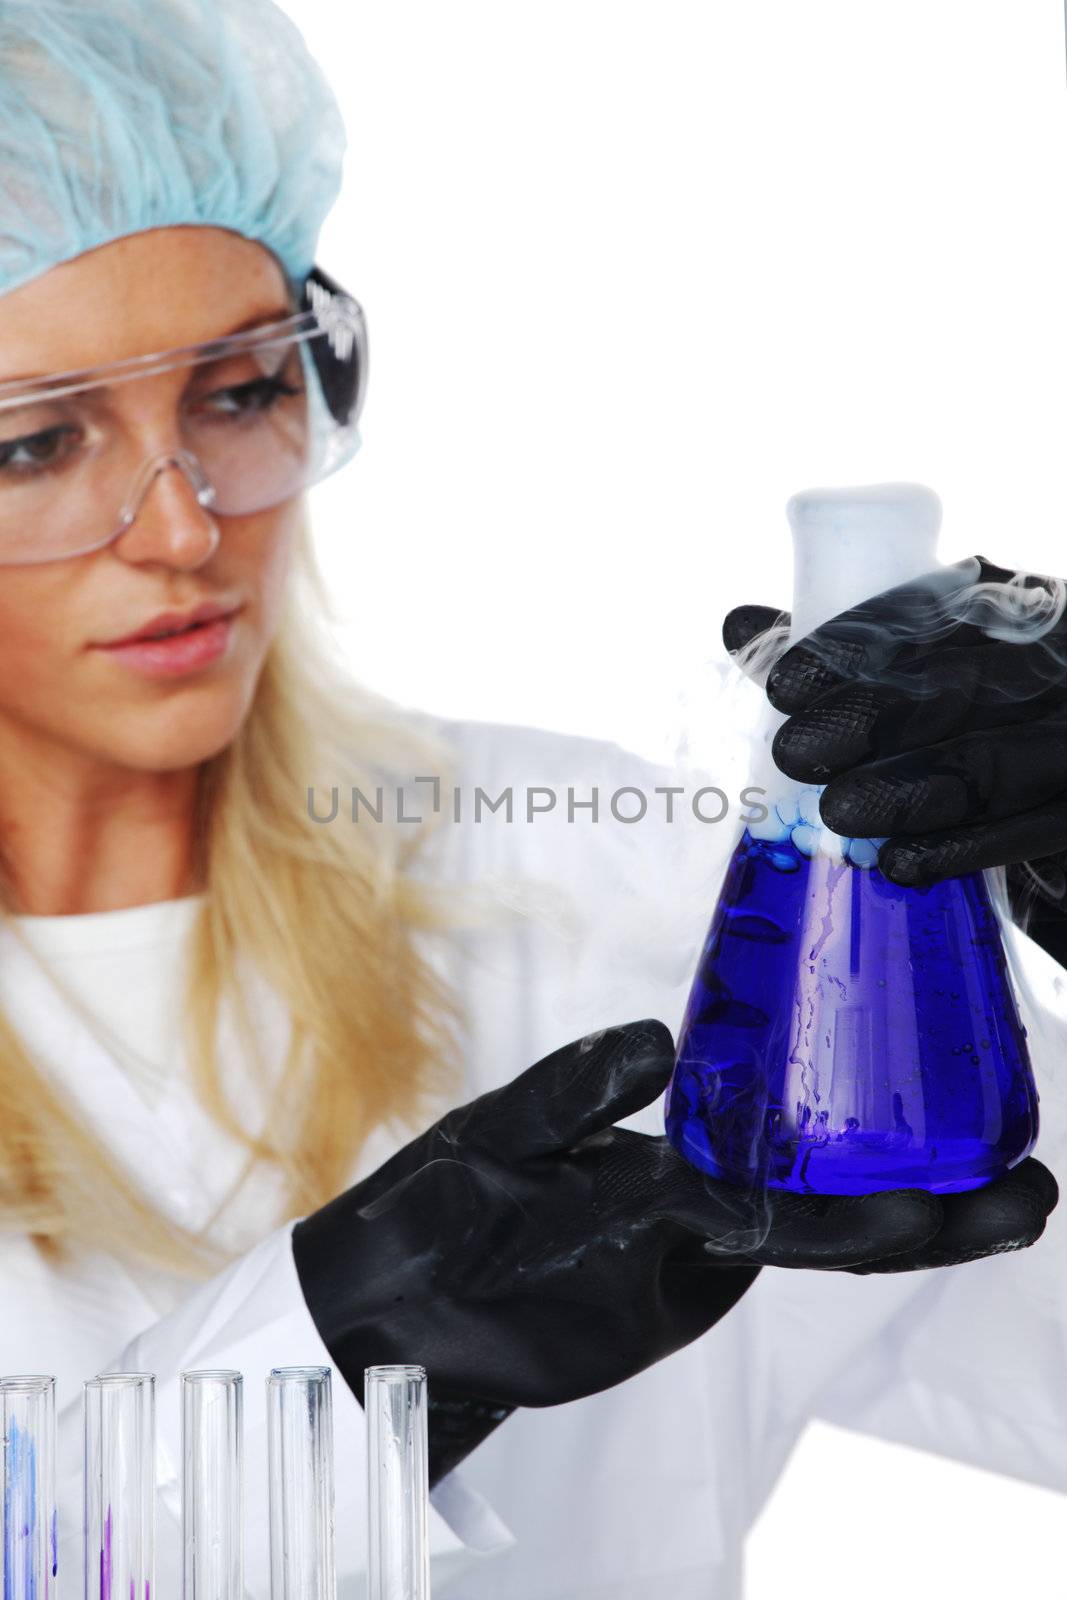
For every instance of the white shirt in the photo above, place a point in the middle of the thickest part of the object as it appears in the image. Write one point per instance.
(644, 1492)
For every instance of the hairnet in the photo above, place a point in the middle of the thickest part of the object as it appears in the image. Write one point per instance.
(122, 115)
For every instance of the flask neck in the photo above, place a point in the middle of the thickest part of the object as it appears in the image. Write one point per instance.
(850, 544)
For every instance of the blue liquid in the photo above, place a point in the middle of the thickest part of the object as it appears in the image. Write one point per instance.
(20, 1514)
(845, 1035)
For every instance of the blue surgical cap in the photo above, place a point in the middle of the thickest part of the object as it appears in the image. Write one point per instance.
(122, 115)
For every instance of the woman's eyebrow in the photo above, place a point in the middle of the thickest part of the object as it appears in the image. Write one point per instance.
(258, 319)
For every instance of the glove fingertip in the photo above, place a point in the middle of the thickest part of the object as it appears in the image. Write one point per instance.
(1035, 1181)
(791, 754)
(794, 681)
(745, 623)
(585, 1086)
(646, 1040)
(907, 862)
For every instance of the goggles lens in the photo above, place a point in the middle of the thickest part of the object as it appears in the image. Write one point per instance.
(252, 419)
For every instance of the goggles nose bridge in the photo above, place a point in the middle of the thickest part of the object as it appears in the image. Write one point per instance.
(203, 488)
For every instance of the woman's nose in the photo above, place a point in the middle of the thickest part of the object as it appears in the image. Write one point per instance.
(166, 514)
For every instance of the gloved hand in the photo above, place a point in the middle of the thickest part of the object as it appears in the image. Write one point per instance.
(947, 741)
(527, 1252)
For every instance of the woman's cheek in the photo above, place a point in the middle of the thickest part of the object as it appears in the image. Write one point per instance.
(34, 668)
(270, 559)
(283, 546)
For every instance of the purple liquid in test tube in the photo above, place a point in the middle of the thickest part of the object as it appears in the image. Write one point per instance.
(119, 1486)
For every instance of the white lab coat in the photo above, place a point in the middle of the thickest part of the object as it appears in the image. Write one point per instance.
(644, 1492)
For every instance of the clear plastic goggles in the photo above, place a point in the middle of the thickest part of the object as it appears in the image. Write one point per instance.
(251, 419)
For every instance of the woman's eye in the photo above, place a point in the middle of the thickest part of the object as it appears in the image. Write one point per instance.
(32, 455)
(40, 451)
(240, 399)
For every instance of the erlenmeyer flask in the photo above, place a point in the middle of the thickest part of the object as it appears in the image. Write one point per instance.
(844, 1035)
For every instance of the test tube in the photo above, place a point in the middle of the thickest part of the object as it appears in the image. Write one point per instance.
(212, 1486)
(28, 1532)
(397, 1483)
(300, 1475)
(120, 1486)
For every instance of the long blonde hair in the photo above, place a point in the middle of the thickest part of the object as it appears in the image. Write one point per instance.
(333, 918)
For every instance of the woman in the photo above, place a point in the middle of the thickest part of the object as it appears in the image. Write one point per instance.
(220, 1011)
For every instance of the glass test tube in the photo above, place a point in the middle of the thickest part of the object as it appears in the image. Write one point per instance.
(397, 1483)
(120, 1486)
(300, 1471)
(28, 1511)
(212, 1486)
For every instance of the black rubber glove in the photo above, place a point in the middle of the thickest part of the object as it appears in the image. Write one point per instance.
(527, 1252)
(928, 732)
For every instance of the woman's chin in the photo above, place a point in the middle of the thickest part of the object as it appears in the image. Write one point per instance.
(169, 742)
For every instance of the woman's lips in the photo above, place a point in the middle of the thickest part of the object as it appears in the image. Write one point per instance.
(190, 651)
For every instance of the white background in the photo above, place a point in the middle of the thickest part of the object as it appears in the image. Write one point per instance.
(634, 273)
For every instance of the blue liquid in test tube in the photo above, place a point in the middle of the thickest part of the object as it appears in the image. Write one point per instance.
(27, 1509)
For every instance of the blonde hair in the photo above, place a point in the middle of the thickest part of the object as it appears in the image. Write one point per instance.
(331, 916)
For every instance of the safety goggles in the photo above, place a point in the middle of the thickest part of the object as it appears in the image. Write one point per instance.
(253, 419)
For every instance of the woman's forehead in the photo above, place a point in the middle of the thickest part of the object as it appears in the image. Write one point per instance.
(161, 289)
